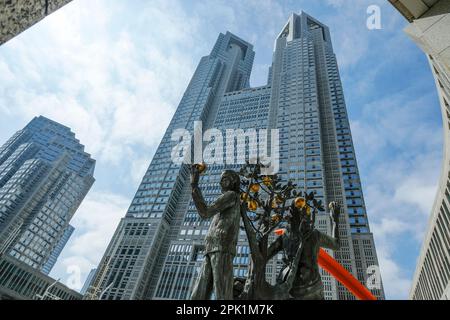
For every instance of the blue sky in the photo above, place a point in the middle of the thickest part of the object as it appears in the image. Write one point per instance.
(114, 72)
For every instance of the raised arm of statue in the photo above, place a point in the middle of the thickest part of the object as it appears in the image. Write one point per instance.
(326, 241)
(225, 201)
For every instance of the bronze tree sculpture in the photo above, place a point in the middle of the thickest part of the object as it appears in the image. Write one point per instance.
(266, 205)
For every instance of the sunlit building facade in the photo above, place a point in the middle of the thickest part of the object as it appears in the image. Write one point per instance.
(44, 176)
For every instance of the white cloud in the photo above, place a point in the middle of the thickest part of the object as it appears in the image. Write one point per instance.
(337, 3)
(396, 283)
(412, 190)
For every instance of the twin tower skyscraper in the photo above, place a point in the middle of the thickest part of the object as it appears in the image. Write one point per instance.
(157, 248)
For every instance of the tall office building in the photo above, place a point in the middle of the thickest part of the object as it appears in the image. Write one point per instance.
(87, 282)
(58, 249)
(18, 15)
(428, 27)
(157, 248)
(44, 176)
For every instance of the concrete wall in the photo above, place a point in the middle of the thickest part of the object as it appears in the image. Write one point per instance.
(18, 15)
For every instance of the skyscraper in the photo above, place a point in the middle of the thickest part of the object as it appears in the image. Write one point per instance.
(87, 282)
(18, 15)
(157, 248)
(44, 176)
(429, 25)
(58, 249)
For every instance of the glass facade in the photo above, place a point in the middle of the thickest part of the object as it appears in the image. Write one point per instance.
(58, 249)
(157, 249)
(44, 176)
(88, 281)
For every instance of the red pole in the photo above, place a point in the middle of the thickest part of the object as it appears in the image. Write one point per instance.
(334, 268)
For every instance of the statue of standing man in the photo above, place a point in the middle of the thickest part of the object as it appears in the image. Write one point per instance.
(220, 242)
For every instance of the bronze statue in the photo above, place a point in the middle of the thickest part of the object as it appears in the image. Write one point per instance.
(302, 238)
(221, 240)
